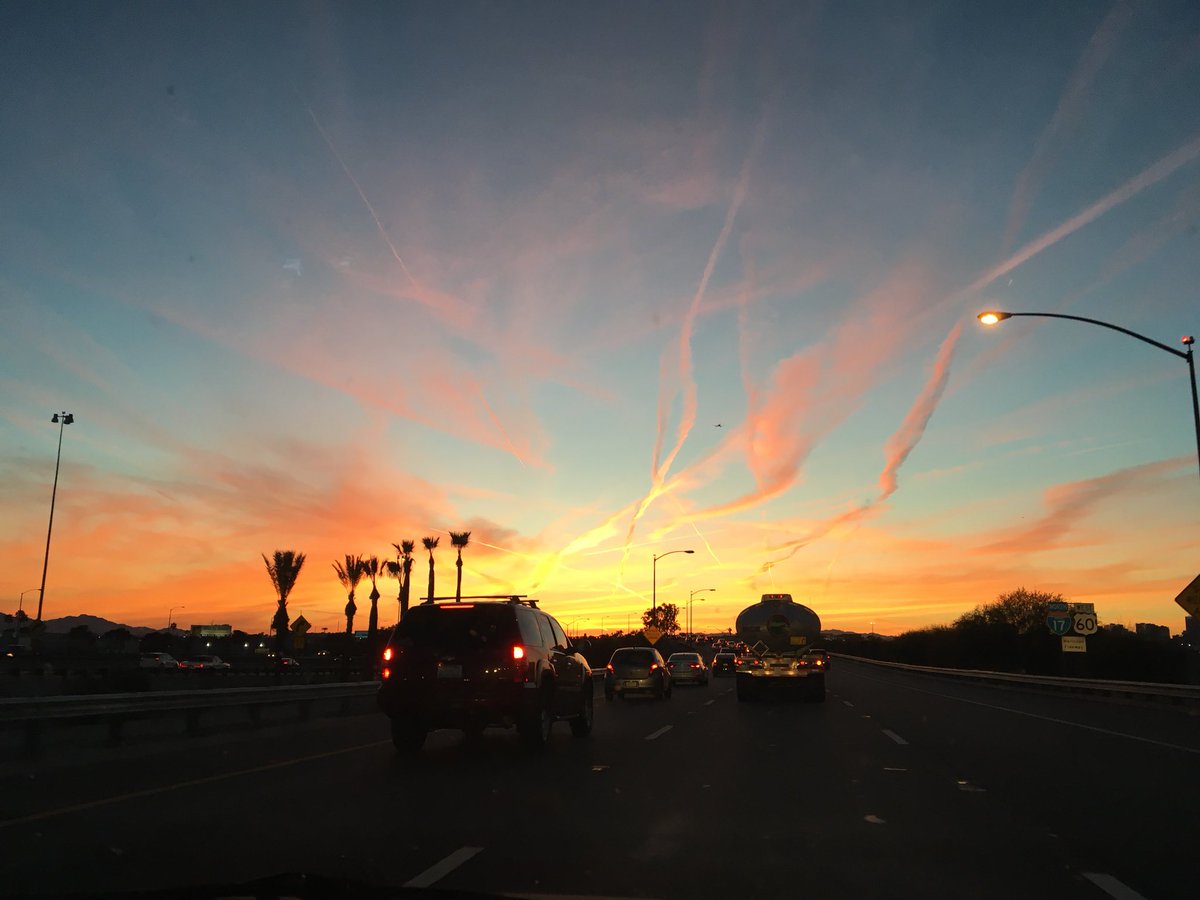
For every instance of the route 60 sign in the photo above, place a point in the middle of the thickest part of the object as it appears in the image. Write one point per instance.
(1085, 623)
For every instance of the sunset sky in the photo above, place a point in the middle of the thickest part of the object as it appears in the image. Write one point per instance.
(595, 282)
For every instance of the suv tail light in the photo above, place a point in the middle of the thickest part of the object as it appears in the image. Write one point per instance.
(388, 653)
(518, 651)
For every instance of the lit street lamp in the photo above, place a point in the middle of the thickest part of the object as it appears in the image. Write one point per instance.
(654, 583)
(690, 601)
(21, 599)
(171, 616)
(993, 317)
(61, 420)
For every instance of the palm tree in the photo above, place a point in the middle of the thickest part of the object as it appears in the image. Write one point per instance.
(371, 570)
(459, 540)
(350, 575)
(284, 569)
(406, 551)
(401, 569)
(429, 543)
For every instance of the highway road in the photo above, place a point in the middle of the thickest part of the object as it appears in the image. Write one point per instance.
(898, 786)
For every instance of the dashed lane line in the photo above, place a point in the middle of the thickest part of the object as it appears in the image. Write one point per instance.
(848, 703)
(895, 737)
(194, 782)
(440, 870)
(655, 735)
(710, 702)
(1115, 888)
(1030, 715)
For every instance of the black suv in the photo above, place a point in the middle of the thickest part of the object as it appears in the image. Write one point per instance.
(480, 662)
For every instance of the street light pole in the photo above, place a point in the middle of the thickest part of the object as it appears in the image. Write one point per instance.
(171, 615)
(654, 582)
(690, 600)
(61, 420)
(993, 317)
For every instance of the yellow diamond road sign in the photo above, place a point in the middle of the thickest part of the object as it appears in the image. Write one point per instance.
(1189, 598)
(653, 634)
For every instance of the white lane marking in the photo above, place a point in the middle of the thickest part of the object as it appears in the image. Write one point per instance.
(848, 703)
(874, 820)
(1111, 886)
(655, 735)
(1019, 712)
(895, 737)
(710, 702)
(438, 871)
(194, 782)
(891, 769)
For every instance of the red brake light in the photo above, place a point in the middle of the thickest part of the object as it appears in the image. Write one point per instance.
(609, 667)
(457, 606)
(653, 666)
(386, 673)
(669, 666)
(387, 655)
(695, 665)
(518, 651)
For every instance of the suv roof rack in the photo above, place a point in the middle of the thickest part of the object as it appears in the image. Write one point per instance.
(511, 598)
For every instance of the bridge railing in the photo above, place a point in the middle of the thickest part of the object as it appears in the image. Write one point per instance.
(1138, 691)
(34, 716)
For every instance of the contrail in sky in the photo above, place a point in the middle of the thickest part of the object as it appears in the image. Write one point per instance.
(688, 414)
(1166, 166)
(378, 224)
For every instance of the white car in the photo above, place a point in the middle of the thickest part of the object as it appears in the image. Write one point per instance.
(158, 661)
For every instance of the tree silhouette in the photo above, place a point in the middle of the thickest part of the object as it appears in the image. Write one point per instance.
(459, 540)
(371, 570)
(284, 569)
(1021, 610)
(401, 569)
(350, 575)
(429, 543)
(664, 617)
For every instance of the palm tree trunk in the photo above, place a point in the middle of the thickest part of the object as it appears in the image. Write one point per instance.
(458, 587)
(404, 588)
(430, 594)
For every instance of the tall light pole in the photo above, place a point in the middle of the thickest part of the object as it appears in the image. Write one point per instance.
(654, 583)
(993, 317)
(171, 615)
(61, 419)
(21, 599)
(690, 601)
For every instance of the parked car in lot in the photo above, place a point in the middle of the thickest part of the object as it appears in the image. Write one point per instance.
(724, 663)
(204, 662)
(484, 661)
(687, 668)
(637, 670)
(158, 661)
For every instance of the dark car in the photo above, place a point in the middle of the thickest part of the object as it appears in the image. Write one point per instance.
(637, 670)
(482, 662)
(724, 663)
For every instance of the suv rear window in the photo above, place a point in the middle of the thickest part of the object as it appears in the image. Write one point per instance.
(461, 628)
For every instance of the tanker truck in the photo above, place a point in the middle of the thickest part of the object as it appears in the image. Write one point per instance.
(777, 632)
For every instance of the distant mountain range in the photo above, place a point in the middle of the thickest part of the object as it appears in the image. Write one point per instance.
(95, 624)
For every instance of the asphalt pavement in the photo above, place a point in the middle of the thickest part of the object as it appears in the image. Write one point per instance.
(897, 786)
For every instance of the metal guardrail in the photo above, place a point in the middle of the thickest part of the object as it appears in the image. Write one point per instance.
(33, 714)
(1143, 691)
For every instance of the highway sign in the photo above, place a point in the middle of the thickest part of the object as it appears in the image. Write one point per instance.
(652, 634)
(1059, 625)
(1189, 598)
(1056, 606)
(1082, 607)
(1074, 644)
(1085, 623)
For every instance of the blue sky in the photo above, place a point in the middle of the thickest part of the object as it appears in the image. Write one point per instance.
(324, 277)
